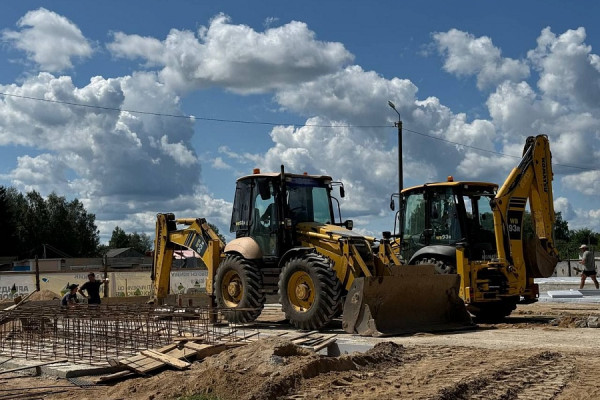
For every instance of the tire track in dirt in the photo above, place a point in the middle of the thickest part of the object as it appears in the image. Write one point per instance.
(423, 372)
(538, 377)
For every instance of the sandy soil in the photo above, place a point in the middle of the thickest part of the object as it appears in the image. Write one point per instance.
(538, 353)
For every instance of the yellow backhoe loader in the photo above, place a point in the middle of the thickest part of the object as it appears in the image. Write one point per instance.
(288, 242)
(476, 230)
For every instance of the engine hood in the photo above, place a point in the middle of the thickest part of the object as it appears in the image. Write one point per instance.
(328, 229)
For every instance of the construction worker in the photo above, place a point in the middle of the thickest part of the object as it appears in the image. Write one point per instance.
(589, 269)
(92, 287)
(70, 298)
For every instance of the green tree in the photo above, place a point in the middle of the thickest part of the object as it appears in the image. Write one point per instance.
(561, 228)
(9, 244)
(140, 241)
(119, 239)
(64, 225)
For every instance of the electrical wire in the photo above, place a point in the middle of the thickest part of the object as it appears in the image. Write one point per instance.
(269, 123)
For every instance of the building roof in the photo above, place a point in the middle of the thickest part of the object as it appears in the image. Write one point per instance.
(120, 252)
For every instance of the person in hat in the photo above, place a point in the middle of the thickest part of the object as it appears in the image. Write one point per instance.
(70, 298)
(92, 287)
(589, 269)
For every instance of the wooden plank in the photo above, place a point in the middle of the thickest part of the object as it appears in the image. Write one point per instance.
(206, 350)
(20, 302)
(181, 353)
(167, 359)
(142, 364)
(309, 338)
(190, 338)
(167, 348)
(138, 357)
(324, 344)
(7, 371)
(115, 376)
(302, 335)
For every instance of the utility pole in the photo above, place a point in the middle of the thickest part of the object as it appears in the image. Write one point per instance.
(399, 126)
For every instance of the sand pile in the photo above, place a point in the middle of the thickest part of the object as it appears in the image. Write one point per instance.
(267, 369)
(44, 295)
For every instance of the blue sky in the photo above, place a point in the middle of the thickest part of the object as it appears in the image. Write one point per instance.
(482, 75)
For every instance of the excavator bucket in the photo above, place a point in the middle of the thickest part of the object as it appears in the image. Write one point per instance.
(539, 261)
(412, 299)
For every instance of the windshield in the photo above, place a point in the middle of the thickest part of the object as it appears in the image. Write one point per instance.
(308, 201)
(480, 223)
(445, 223)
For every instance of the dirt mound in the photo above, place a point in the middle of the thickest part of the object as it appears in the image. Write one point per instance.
(267, 369)
(576, 321)
(41, 295)
(44, 295)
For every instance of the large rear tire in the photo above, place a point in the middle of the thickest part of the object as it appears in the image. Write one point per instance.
(237, 285)
(309, 291)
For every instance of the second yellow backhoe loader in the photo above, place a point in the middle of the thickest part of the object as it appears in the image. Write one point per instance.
(289, 243)
(476, 230)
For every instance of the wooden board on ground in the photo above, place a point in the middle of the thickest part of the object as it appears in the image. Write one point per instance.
(167, 359)
(115, 376)
(205, 350)
(142, 364)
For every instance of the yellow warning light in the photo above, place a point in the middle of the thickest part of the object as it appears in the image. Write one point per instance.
(256, 171)
(450, 178)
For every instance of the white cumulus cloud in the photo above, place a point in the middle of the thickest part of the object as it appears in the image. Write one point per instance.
(235, 57)
(49, 39)
(467, 55)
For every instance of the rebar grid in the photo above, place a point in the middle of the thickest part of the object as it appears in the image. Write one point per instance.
(96, 334)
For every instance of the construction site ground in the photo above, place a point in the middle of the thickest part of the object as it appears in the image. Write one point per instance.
(540, 352)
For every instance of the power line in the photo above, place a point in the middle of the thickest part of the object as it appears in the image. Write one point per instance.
(190, 117)
(268, 123)
(494, 152)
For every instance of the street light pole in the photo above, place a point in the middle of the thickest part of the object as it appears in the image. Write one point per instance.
(399, 125)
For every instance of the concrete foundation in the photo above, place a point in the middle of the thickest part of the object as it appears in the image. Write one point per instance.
(59, 370)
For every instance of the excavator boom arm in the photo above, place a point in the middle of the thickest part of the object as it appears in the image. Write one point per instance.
(197, 236)
(530, 180)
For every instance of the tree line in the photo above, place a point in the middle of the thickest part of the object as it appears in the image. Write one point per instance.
(31, 225)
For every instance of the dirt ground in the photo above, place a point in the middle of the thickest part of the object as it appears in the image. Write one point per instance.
(537, 353)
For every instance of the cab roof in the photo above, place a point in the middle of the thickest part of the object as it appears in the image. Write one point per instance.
(287, 175)
(450, 184)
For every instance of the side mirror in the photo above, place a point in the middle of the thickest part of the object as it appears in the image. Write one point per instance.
(349, 224)
(392, 205)
(342, 192)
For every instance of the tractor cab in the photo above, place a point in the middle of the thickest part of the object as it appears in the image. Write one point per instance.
(436, 218)
(267, 207)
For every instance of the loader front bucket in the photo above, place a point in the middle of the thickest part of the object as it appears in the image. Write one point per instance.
(413, 299)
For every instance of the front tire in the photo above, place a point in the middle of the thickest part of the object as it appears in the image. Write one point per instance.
(309, 291)
(237, 285)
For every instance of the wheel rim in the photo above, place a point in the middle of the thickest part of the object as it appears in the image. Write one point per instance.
(232, 289)
(301, 291)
